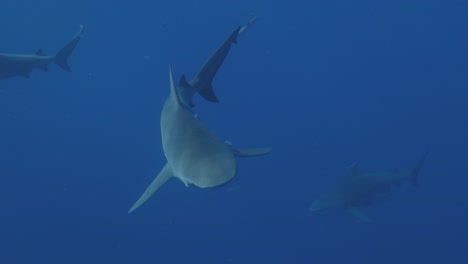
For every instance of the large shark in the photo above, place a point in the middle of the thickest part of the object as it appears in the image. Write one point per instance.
(194, 153)
(202, 82)
(360, 189)
(12, 65)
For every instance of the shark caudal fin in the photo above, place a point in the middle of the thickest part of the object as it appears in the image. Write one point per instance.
(415, 171)
(61, 58)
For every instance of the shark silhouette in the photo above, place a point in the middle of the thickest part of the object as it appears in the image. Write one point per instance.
(12, 65)
(194, 153)
(360, 189)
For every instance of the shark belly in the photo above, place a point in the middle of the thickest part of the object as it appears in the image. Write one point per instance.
(196, 155)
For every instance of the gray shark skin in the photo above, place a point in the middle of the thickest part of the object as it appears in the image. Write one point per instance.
(12, 65)
(194, 153)
(202, 82)
(361, 189)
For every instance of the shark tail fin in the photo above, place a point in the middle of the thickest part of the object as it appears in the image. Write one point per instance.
(164, 175)
(415, 171)
(61, 58)
(208, 93)
(211, 67)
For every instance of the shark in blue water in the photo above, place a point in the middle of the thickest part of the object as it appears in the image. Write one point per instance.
(12, 65)
(358, 189)
(195, 154)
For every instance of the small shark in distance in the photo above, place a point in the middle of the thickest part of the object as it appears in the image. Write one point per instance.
(202, 82)
(12, 65)
(194, 153)
(358, 189)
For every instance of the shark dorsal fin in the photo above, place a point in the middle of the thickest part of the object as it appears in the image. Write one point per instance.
(174, 96)
(39, 52)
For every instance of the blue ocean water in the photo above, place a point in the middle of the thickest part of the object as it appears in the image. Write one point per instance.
(325, 83)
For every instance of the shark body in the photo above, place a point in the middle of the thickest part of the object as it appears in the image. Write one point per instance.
(12, 65)
(194, 153)
(357, 189)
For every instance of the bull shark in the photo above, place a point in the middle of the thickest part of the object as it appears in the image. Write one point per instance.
(12, 65)
(202, 82)
(361, 189)
(195, 154)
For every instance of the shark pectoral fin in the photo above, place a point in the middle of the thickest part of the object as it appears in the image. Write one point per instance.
(164, 175)
(360, 216)
(251, 152)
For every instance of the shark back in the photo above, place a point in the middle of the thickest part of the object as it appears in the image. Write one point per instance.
(195, 153)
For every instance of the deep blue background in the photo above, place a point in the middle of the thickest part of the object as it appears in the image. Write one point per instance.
(325, 83)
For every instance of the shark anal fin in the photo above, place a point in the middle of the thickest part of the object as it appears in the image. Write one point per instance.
(360, 216)
(251, 152)
(164, 175)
